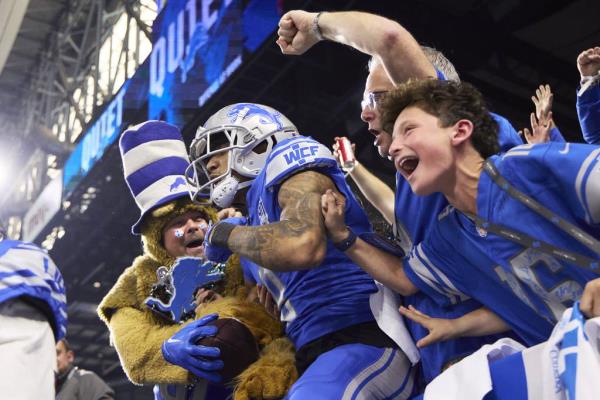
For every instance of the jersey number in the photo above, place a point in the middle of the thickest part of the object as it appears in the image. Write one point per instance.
(556, 292)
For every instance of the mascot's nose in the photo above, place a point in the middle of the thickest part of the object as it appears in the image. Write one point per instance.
(193, 226)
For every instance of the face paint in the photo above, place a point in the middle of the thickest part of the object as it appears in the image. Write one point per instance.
(179, 233)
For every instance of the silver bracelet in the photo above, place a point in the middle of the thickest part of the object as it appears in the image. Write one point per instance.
(315, 26)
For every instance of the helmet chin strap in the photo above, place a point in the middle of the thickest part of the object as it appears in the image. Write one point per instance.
(223, 193)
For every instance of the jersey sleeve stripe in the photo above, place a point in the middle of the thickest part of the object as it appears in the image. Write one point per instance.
(427, 276)
(450, 288)
(587, 187)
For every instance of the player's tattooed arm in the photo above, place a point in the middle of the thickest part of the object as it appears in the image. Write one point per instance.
(298, 240)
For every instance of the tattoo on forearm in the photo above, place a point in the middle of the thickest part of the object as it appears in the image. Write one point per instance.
(272, 244)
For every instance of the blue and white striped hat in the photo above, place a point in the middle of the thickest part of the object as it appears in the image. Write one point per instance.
(154, 161)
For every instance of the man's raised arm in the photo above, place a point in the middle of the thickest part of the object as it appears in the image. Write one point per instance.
(380, 37)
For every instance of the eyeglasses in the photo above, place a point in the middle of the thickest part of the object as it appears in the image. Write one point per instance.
(370, 100)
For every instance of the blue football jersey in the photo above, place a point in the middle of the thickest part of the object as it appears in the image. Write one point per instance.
(451, 267)
(414, 216)
(565, 178)
(556, 135)
(588, 111)
(333, 295)
(27, 270)
(527, 288)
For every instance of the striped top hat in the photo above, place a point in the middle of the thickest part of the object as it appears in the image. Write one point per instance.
(154, 162)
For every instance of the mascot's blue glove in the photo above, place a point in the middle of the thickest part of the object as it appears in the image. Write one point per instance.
(215, 240)
(181, 349)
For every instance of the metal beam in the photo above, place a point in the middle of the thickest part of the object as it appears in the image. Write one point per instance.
(70, 54)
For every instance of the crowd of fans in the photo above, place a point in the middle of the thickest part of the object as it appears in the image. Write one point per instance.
(490, 286)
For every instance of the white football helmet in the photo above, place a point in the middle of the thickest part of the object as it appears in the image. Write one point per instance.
(248, 132)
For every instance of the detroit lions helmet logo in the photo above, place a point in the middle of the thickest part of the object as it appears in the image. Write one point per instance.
(244, 110)
(176, 183)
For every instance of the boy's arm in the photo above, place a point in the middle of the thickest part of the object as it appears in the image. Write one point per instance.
(375, 190)
(480, 322)
(382, 266)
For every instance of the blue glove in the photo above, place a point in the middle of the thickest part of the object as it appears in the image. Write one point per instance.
(215, 240)
(181, 349)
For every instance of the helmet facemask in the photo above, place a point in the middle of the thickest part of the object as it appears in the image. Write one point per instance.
(248, 132)
(208, 144)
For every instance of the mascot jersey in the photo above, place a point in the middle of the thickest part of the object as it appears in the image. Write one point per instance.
(333, 295)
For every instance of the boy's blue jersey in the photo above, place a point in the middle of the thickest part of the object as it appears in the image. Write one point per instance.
(565, 178)
(526, 288)
(588, 111)
(27, 271)
(414, 216)
(451, 266)
(335, 294)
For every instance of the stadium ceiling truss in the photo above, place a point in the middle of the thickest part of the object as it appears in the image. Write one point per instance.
(96, 46)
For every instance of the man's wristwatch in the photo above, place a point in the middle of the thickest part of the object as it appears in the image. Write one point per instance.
(315, 27)
(345, 244)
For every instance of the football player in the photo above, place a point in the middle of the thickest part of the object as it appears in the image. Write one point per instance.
(251, 155)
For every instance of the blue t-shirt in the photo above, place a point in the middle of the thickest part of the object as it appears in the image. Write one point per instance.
(335, 294)
(588, 111)
(527, 288)
(27, 270)
(414, 216)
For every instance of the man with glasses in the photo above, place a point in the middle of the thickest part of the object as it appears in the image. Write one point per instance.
(396, 58)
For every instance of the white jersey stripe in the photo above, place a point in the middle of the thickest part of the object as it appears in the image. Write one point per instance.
(447, 282)
(395, 381)
(365, 373)
(591, 187)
